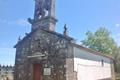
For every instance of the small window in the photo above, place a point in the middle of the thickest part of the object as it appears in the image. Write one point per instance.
(6, 72)
(102, 62)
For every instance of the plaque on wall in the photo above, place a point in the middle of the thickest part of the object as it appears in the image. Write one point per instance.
(47, 71)
(37, 55)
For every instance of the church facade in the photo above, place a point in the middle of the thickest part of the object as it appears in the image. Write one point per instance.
(44, 54)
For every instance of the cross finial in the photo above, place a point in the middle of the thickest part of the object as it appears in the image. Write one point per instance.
(65, 27)
(65, 30)
(19, 38)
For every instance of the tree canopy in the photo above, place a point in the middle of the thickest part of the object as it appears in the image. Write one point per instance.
(100, 40)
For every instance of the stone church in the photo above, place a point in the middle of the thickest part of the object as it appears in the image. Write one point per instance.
(44, 54)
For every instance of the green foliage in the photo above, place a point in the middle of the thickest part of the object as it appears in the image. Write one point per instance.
(100, 40)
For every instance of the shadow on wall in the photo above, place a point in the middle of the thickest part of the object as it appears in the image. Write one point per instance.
(75, 75)
(105, 79)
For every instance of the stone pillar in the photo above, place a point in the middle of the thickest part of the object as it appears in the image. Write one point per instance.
(52, 9)
(112, 70)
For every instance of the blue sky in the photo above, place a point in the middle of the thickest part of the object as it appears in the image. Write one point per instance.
(79, 15)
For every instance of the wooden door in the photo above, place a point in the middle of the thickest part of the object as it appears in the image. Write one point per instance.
(36, 72)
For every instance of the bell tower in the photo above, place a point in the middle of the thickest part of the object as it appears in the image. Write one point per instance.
(44, 15)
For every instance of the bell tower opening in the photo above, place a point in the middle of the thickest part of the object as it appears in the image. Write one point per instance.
(44, 15)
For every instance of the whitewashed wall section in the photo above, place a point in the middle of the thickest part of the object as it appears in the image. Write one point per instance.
(90, 66)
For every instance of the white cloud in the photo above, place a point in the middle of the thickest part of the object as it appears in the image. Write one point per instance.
(2, 1)
(117, 25)
(3, 21)
(118, 41)
(7, 50)
(7, 56)
(21, 22)
(117, 35)
(117, 38)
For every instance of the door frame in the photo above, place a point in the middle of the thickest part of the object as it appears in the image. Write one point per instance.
(37, 71)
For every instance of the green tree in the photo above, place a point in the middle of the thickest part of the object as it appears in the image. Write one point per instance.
(100, 40)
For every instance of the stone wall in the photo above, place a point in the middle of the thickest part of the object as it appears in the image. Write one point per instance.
(53, 46)
(70, 74)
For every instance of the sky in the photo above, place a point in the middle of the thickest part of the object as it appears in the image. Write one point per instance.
(79, 15)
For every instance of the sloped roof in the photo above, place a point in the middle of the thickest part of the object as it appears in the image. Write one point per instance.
(51, 32)
(92, 51)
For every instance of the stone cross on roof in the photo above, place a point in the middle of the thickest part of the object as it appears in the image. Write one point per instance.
(65, 30)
